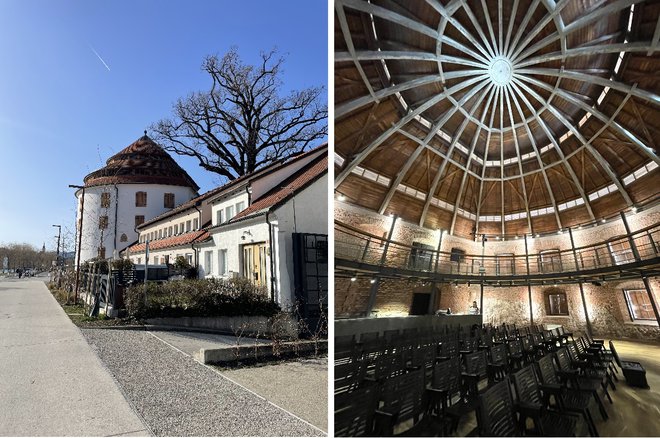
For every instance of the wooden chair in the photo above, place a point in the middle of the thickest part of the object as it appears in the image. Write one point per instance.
(516, 357)
(570, 374)
(355, 411)
(496, 413)
(532, 406)
(498, 365)
(402, 399)
(567, 399)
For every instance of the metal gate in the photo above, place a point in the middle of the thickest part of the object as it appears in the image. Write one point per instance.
(310, 257)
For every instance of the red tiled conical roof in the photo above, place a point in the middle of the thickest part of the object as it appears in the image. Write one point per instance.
(142, 162)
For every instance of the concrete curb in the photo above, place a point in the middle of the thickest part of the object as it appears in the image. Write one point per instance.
(258, 352)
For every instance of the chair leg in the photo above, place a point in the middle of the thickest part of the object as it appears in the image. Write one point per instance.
(590, 422)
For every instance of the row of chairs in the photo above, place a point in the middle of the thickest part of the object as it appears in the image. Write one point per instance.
(421, 382)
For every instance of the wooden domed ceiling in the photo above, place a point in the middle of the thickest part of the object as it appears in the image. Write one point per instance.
(497, 116)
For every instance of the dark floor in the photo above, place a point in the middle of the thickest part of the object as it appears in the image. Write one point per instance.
(634, 411)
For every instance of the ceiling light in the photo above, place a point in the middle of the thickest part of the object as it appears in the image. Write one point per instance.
(372, 281)
(353, 278)
(341, 197)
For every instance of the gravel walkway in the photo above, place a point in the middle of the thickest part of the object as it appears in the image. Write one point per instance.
(177, 396)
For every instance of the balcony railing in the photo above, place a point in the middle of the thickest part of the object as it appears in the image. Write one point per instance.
(354, 245)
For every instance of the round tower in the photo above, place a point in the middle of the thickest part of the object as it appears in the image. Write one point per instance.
(137, 184)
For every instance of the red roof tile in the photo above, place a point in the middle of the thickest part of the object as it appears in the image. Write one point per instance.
(183, 239)
(287, 188)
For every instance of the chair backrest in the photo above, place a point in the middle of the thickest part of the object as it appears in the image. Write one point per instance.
(354, 412)
(470, 344)
(348, 376)
(563, 359)
(615, 354)
(391, 363)
(449, 347)
(527, 387)
(537, 339)
(404, 395)
(515, 347)
(547, 371)
(498, 354)
(476, 363)
(573, 351)
(447, 375)
(527, 343)
(496, 415)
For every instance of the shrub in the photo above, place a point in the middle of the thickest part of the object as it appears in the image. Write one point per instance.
(208, 297)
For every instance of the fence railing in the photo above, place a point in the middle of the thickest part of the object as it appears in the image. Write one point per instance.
(355, 245)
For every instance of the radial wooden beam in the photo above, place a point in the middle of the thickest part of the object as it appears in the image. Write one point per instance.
(523, 26)
(347, 107)
(470, 155)
(581, 22)
(370, 8)
(554, 11)
(538, 157)
(512, 20)
(648, 151)
(560, 152)
(343, 24)
(604, 164)
(522, 178)
(475, 23)
(401, 55)
(624, 88)
(637, 46)
(656, 38)
(483, 168)
(454, 22)
(355, 161)
(436, 127)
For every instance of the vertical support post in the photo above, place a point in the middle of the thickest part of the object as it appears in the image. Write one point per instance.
(586, 313)
(529, 286)
(481, 299)
(575, 257)
(531, 308)
(82, 216)
(633, 246)
(374, 286)
(387, 242)
(647, 286)
(437, 254)
(372, 296)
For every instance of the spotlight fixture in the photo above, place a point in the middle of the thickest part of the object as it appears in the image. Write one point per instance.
(596, 283)
(341, 197)
(634, 209)
(372, 281)
(603, 220)
(353, 278)
(538, 235)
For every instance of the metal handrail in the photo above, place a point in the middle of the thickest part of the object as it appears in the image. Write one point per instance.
(359, 246)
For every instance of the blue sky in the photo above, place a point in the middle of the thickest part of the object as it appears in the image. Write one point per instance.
(63, 113)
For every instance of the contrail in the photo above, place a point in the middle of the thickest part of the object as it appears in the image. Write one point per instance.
(99, 56)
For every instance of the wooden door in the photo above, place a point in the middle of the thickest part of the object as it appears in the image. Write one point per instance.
(254, 263)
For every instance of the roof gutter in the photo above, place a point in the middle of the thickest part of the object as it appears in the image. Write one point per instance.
(272, 257)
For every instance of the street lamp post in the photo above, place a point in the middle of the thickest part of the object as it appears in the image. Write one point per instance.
(59, 235)
(82, 211)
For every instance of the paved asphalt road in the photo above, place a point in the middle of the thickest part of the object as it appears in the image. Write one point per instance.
(51, 382)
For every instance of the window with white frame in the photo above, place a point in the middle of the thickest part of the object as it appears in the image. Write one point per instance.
(195, 223)
(208, 262)
(240, 206)
(222, 262)
(229, 213)
(187, 226)
(218, 216)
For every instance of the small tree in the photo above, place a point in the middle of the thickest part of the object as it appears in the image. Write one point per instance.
(244, 121)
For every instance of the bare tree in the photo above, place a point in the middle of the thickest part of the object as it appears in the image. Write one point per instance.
(244, 121)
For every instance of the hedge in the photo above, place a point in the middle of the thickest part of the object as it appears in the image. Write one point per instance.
(208, 297)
